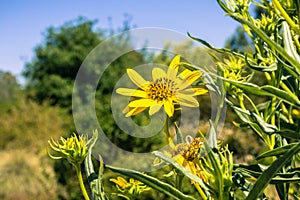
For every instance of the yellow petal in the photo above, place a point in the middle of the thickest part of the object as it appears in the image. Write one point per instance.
(119, 181)
(193, 91)
(131, 92)
(154, 109)
(142, 103)
(169, 107)
(200, 91)
(187, 100)
(171, 143)
(137, 79)
(158, 73)
(179, 159)
(173, 68)
(188, 77)
(133, 111)
(175, 62)
(187, 74)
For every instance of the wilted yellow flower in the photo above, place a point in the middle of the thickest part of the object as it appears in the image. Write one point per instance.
(132, 188)
(165, 90)
(120, 182)
(215, 169)
(74, 148)
(188, 156)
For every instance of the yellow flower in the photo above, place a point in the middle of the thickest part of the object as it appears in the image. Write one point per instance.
(131, 188)
(120, 182)
(165, 90)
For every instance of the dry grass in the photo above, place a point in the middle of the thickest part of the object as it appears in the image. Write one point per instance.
(25, 175)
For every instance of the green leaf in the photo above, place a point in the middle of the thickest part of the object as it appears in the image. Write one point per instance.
(265, 178)
(256, 170)
(266, 90)
(272, 44)
(212, 136)
(289, 134)
(276, 152)
(255, 120)
(216, 169)
(178, 135)
(219, 50)
(289, 130)
(288, 42)
(272, 67)
(152, 182)
(94, 180)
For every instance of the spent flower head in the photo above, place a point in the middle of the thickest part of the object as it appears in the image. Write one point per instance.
(214, 168)
(74, 148)
(187, 154)
(166, 89)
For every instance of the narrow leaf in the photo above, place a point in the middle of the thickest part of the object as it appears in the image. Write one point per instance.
(185, 171)
(272, 44)
(289, 134)
(152, 182)
(266, 90)
(219, 50)
(276, 152)
(265, 178)
(179, 136)
(272, 67)
(94, 180)
(288, 42)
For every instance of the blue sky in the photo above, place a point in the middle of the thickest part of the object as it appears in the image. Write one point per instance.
(23, 22)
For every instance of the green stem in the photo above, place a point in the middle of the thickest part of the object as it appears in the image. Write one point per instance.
(178, 179)
(80, 180)
(252, 103)
(285, 15)
(166, 130)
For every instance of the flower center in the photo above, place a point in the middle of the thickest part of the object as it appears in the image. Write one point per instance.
(161, 89)
(193, 149)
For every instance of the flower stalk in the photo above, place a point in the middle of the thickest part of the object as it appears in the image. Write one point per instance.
(75, 150)
(80, 180)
